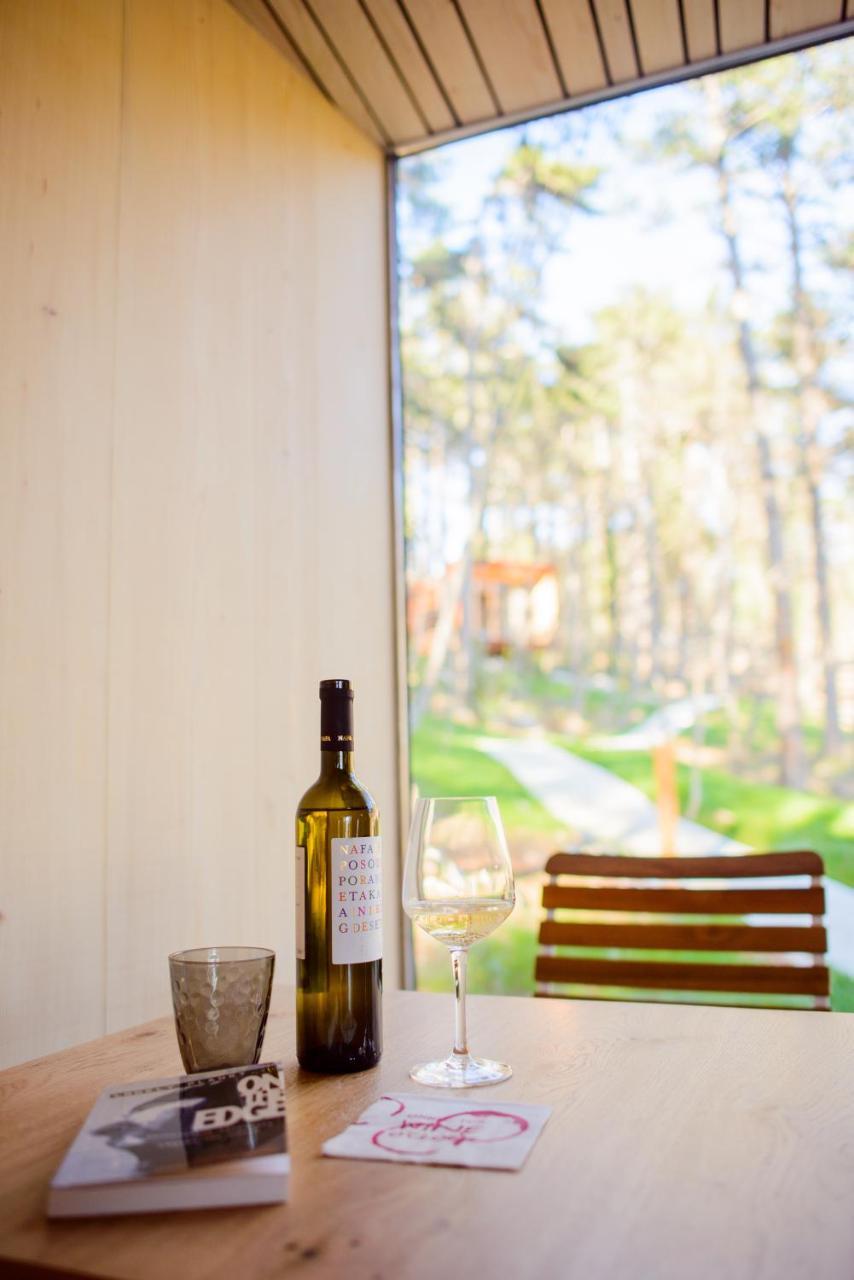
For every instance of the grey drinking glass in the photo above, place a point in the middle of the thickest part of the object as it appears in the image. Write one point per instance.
(221, 998)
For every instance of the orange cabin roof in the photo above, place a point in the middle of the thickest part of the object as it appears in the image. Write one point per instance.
(508, 573)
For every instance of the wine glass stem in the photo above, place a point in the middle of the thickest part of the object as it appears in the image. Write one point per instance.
(459, 961)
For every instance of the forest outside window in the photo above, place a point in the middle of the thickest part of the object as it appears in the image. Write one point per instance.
(627, 430)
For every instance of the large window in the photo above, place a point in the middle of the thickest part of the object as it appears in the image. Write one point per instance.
(628, 480)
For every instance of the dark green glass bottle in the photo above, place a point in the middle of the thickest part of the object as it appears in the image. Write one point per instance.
(338, 904)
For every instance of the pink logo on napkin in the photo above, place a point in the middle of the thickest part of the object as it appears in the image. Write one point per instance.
(410, 1128)
(422, 1136)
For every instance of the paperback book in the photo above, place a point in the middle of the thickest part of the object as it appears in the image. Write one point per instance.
(193, 1142)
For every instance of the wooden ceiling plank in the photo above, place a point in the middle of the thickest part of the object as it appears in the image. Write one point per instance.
(617, 38)
(742, 24)
(513, 46)
(700, 29)
(414, 67)
(358, 46)
(259, 16)
(307, 37)
(789, 17)
(659, 34)
(576, 44)
(444, 37)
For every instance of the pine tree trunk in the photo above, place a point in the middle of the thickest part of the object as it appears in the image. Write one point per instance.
(810, 403)
(788, 708)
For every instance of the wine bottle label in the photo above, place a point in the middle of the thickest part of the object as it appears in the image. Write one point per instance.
(357, 899)
(299, 899)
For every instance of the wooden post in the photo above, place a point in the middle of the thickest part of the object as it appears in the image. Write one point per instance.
(666, 795)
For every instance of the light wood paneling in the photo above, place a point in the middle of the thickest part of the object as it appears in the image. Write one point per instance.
(617, 39)
(194, 437)
(353, 35)
(406, 52)
(201, 641)
(573, 34)
(484, 62)
(60, 96)
(659, 34)
(512, 42)
(258, 13)
(700, 32)
(683, 1144)
(183, 671)
(742, 25)
(444, 37)
(307, 37)
(790, 16)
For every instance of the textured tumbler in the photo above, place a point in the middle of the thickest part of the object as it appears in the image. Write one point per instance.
(221, 997)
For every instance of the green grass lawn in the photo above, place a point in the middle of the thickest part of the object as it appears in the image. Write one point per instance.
(447, 761)
(754, 724)
(761, 816)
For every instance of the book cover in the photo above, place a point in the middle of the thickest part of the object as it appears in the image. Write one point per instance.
(189, 1142)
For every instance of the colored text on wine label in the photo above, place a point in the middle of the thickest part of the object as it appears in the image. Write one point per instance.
(356, 893)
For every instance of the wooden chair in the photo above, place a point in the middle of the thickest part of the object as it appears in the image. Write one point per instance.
(767, 960)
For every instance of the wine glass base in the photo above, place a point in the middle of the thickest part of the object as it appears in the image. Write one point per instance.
(461, 1073)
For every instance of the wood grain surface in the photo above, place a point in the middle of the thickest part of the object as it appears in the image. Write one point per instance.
(60, 99)
(795, 862)
(684, 1142)
(460, 66)
(193, 423)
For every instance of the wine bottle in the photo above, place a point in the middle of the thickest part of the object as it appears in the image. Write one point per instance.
(338, 904)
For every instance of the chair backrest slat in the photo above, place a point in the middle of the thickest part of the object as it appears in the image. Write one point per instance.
(685, 937)
(706, 902)
(724, 866)
(794, 954)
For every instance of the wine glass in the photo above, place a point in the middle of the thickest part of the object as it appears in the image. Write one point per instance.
(458, 887)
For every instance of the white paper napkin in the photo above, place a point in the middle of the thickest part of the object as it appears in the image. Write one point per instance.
(411, 1129)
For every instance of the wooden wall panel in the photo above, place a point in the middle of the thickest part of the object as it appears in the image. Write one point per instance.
(234, 464)
(59, 139)
(194, 496)
(262, 18)
(350, 569)
(182, 854)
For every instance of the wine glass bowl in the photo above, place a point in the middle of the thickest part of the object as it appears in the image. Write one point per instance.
(458, 887)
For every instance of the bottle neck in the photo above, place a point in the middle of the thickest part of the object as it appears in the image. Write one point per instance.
(336, 734)
(335, 762)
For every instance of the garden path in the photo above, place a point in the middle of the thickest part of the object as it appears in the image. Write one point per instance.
(607, 813)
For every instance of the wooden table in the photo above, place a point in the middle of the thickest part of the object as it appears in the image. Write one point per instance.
(683, 1142)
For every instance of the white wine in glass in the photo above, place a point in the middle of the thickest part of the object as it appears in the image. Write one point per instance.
(458, 887)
